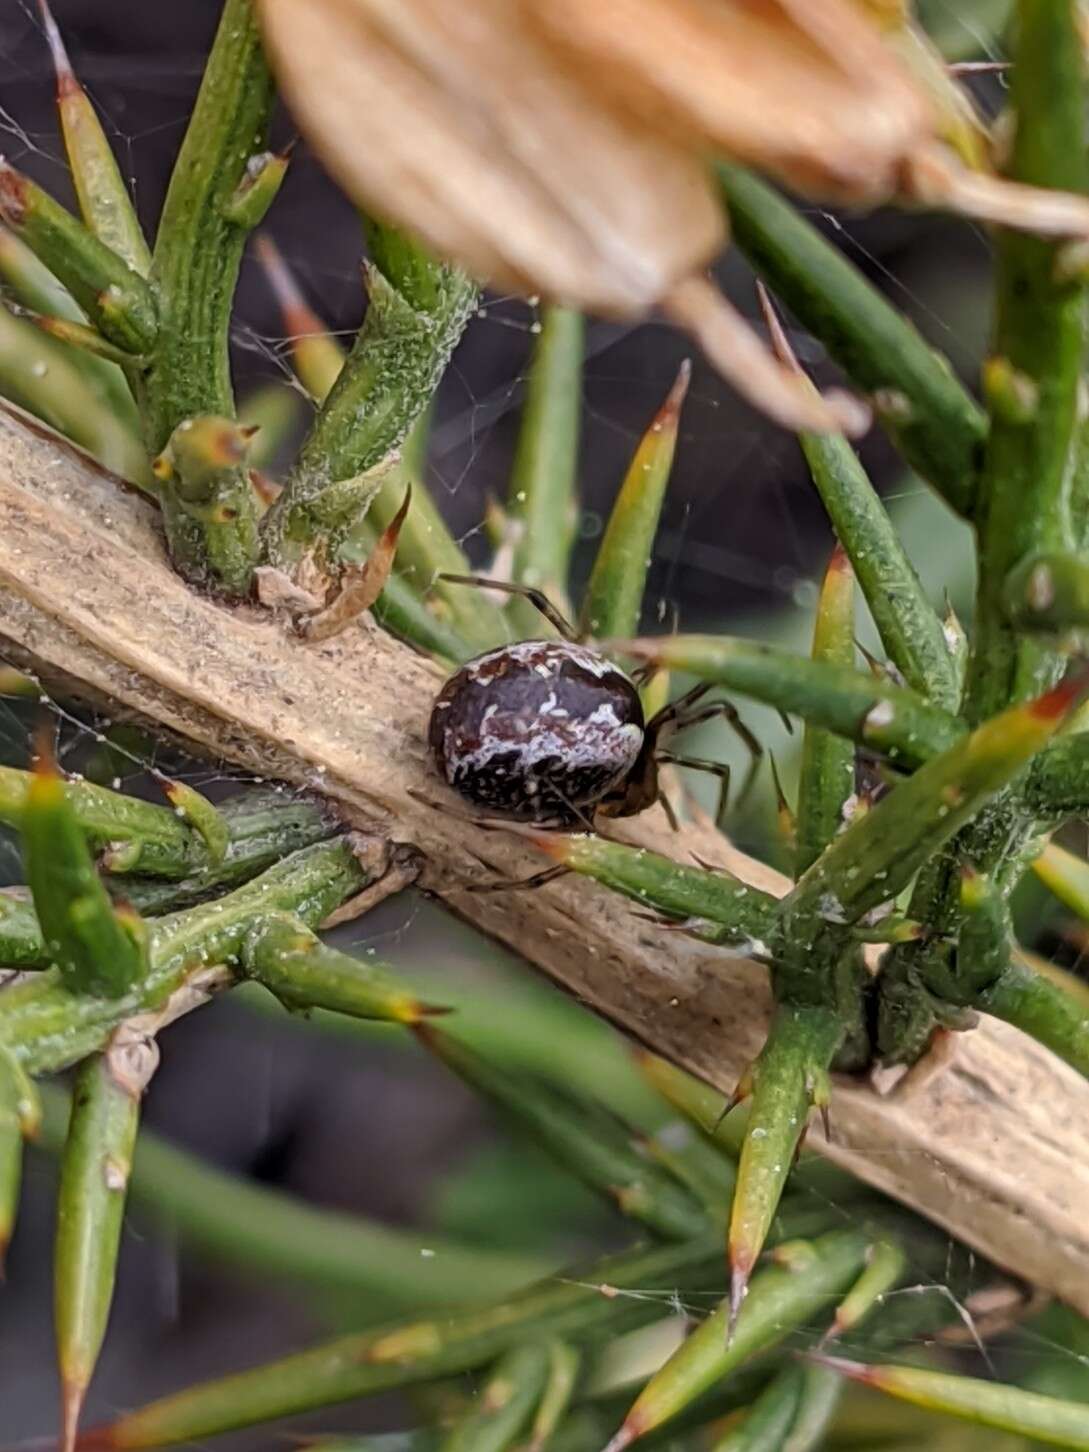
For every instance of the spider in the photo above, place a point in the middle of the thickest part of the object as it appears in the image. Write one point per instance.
(553, 732)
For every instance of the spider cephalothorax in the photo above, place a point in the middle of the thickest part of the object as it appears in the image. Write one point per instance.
(553, 730)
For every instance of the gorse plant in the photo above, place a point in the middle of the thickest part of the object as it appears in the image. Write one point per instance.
(894, 935)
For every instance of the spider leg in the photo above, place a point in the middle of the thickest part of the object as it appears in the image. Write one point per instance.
(536, 598)
(748, 739)
(719, 769)
(670, 811)
(669, 714)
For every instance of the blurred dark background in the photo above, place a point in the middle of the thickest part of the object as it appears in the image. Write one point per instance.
(361, 1124)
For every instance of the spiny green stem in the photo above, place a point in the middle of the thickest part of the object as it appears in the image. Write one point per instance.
(885, 717)
(1024, 504)
(197, 254)
(1039, 340)
(877, 856)
(46, 1027)
(396, 362)
(657, 882)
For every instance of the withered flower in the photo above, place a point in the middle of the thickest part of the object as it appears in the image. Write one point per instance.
(560, 147)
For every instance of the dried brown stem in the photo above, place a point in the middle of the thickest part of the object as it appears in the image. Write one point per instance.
(995, 1148)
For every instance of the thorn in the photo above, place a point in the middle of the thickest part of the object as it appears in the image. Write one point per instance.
(98, 1439)
(13, 194)
(1055, 704)
(434, 1010)
(839, 561)
(299, 318)
(624, 1438)
(266, 489)
(780, 343)
(856, 1370)
(826, 1123)
(670, 410)
(739, 1289)
(45, 755)
(363, 586)
(72, 1395)
(67, 85)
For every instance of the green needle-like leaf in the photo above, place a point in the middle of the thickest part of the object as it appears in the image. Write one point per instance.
(90, 1209)
(711, 1113)
(410, 1352)
(51, 380)
(907, 623)
(662, 885)
(95, 952)
(272, 1235)
(1053, 1007)
(985, 1403)
(886, 1262)
(295, 965)
(204, 817)
(544, 477)
(768, 1421)
(35, 288)
(788, 1077)
(779, 1301)
(887, 718)
(504, 1405)
(827, 775)
(115, 298)
(933, 421)
(564, 1365)
(1066, 875)
(614, 595)
(876, 857)
(20, 1119)
(582, 1137)
(103, 198)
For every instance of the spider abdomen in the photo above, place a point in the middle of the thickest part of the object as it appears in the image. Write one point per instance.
(540, 730)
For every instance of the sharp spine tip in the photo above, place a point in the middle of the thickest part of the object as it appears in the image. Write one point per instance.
(739, 1289)
(624, 1438)
(72, 1395)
